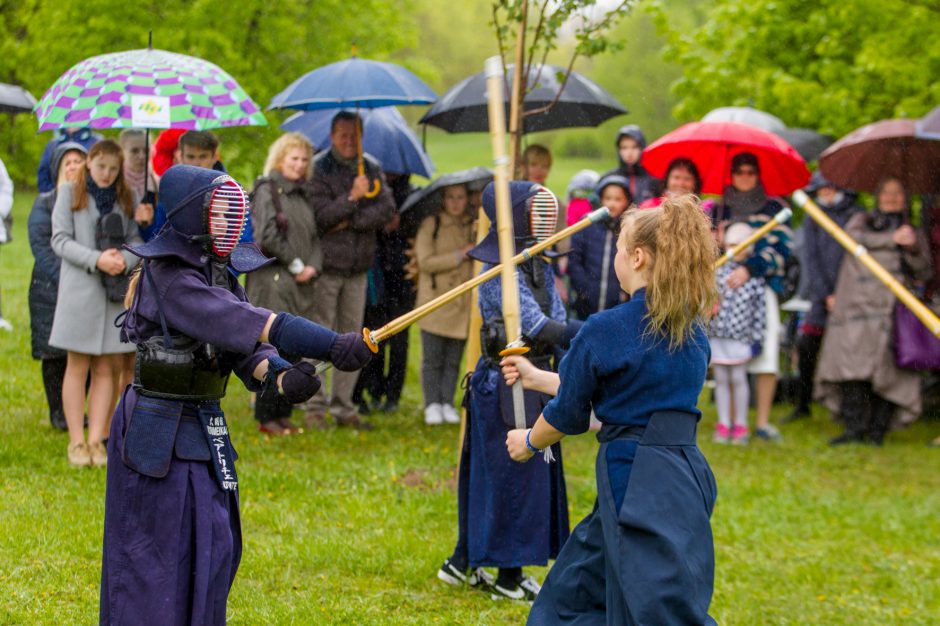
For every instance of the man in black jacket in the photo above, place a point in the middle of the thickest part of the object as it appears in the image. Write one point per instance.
(348, 217)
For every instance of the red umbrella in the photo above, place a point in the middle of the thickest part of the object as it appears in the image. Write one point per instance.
(712, 145)
(885, 149)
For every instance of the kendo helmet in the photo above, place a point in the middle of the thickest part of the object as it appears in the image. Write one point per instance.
(206, 215)
(209, 207)
(534, 218)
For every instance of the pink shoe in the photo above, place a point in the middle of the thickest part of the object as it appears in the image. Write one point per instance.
(722, 433)
(740, 435)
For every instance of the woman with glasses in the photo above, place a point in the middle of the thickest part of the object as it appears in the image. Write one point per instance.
(745, 200)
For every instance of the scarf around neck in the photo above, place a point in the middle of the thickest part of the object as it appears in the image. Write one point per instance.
(104, 198)
(880, 221)
(743, 204)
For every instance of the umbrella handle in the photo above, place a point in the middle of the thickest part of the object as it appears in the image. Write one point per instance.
(376, 184)
(375, 189)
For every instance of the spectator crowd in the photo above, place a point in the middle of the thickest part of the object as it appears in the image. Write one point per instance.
(345, 256)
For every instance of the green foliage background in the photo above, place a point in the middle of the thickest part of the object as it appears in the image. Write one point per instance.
(831, 65)
(263, 45)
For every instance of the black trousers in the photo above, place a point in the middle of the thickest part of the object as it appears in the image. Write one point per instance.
(807, 347)
(53, 373)
(394, 352)
(867, 415)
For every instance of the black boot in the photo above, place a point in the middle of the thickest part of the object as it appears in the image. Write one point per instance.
(808, 351)
(855, 412)
(880, 421)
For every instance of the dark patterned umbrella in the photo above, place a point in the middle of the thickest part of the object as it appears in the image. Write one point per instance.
(885, 149)
(582, 102)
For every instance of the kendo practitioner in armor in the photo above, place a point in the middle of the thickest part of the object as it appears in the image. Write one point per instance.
(510, 515)
(172, 534)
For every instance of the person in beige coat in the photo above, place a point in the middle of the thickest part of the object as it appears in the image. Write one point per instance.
(857, 377)
(83, 324)
(441, 247)
(284, 228)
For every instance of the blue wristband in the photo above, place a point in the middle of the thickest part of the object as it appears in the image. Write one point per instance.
(528, 444)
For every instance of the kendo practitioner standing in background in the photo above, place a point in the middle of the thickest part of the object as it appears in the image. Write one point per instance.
(172, 533)
(510, 515)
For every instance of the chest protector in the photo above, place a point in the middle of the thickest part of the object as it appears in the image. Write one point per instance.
(177, 367)
(493, 332)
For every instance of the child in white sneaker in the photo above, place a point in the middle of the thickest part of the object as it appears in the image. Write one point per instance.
(441, 247)
(735, 334)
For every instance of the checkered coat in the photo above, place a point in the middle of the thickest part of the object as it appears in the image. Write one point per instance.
(742, 312)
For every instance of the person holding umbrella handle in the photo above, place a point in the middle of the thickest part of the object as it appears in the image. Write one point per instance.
(348, 221)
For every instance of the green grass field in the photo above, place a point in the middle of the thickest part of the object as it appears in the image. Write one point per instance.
(349, 528)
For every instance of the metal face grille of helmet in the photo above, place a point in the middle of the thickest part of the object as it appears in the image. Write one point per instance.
(227, 212)
(543, 214)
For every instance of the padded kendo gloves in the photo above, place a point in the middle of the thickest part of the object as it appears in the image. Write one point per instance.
(350, 352)
(300, 383)
(301, 337)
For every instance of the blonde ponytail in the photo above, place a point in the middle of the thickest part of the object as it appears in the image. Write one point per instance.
(681, 280)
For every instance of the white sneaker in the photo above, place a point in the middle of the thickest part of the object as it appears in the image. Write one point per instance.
(451, 416)
(5, 325)
(433, 414)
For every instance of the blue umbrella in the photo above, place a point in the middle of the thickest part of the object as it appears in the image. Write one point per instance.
(358, 83)
(385, 135)
(354, 82)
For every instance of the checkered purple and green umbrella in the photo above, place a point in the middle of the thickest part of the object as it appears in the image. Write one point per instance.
(146, 89)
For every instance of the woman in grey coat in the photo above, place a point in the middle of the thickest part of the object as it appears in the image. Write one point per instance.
(284, 228)
(67, 161)
(857, 376)
(84, 317)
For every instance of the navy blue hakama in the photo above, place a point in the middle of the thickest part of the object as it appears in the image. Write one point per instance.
(172, 545)
(511, 515)
(650, 560)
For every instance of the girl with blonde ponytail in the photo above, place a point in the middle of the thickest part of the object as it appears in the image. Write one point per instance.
(640, 366)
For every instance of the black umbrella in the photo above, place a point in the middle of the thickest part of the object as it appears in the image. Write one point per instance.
(582, 103)
(807, 142)
(15, 99)
(427, 201)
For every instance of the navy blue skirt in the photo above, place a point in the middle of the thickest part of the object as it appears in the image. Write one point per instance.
(651, 559)
(171, 545)
(510, 514)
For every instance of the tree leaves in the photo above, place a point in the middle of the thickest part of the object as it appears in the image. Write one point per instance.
(831, 65)
(263, 45)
